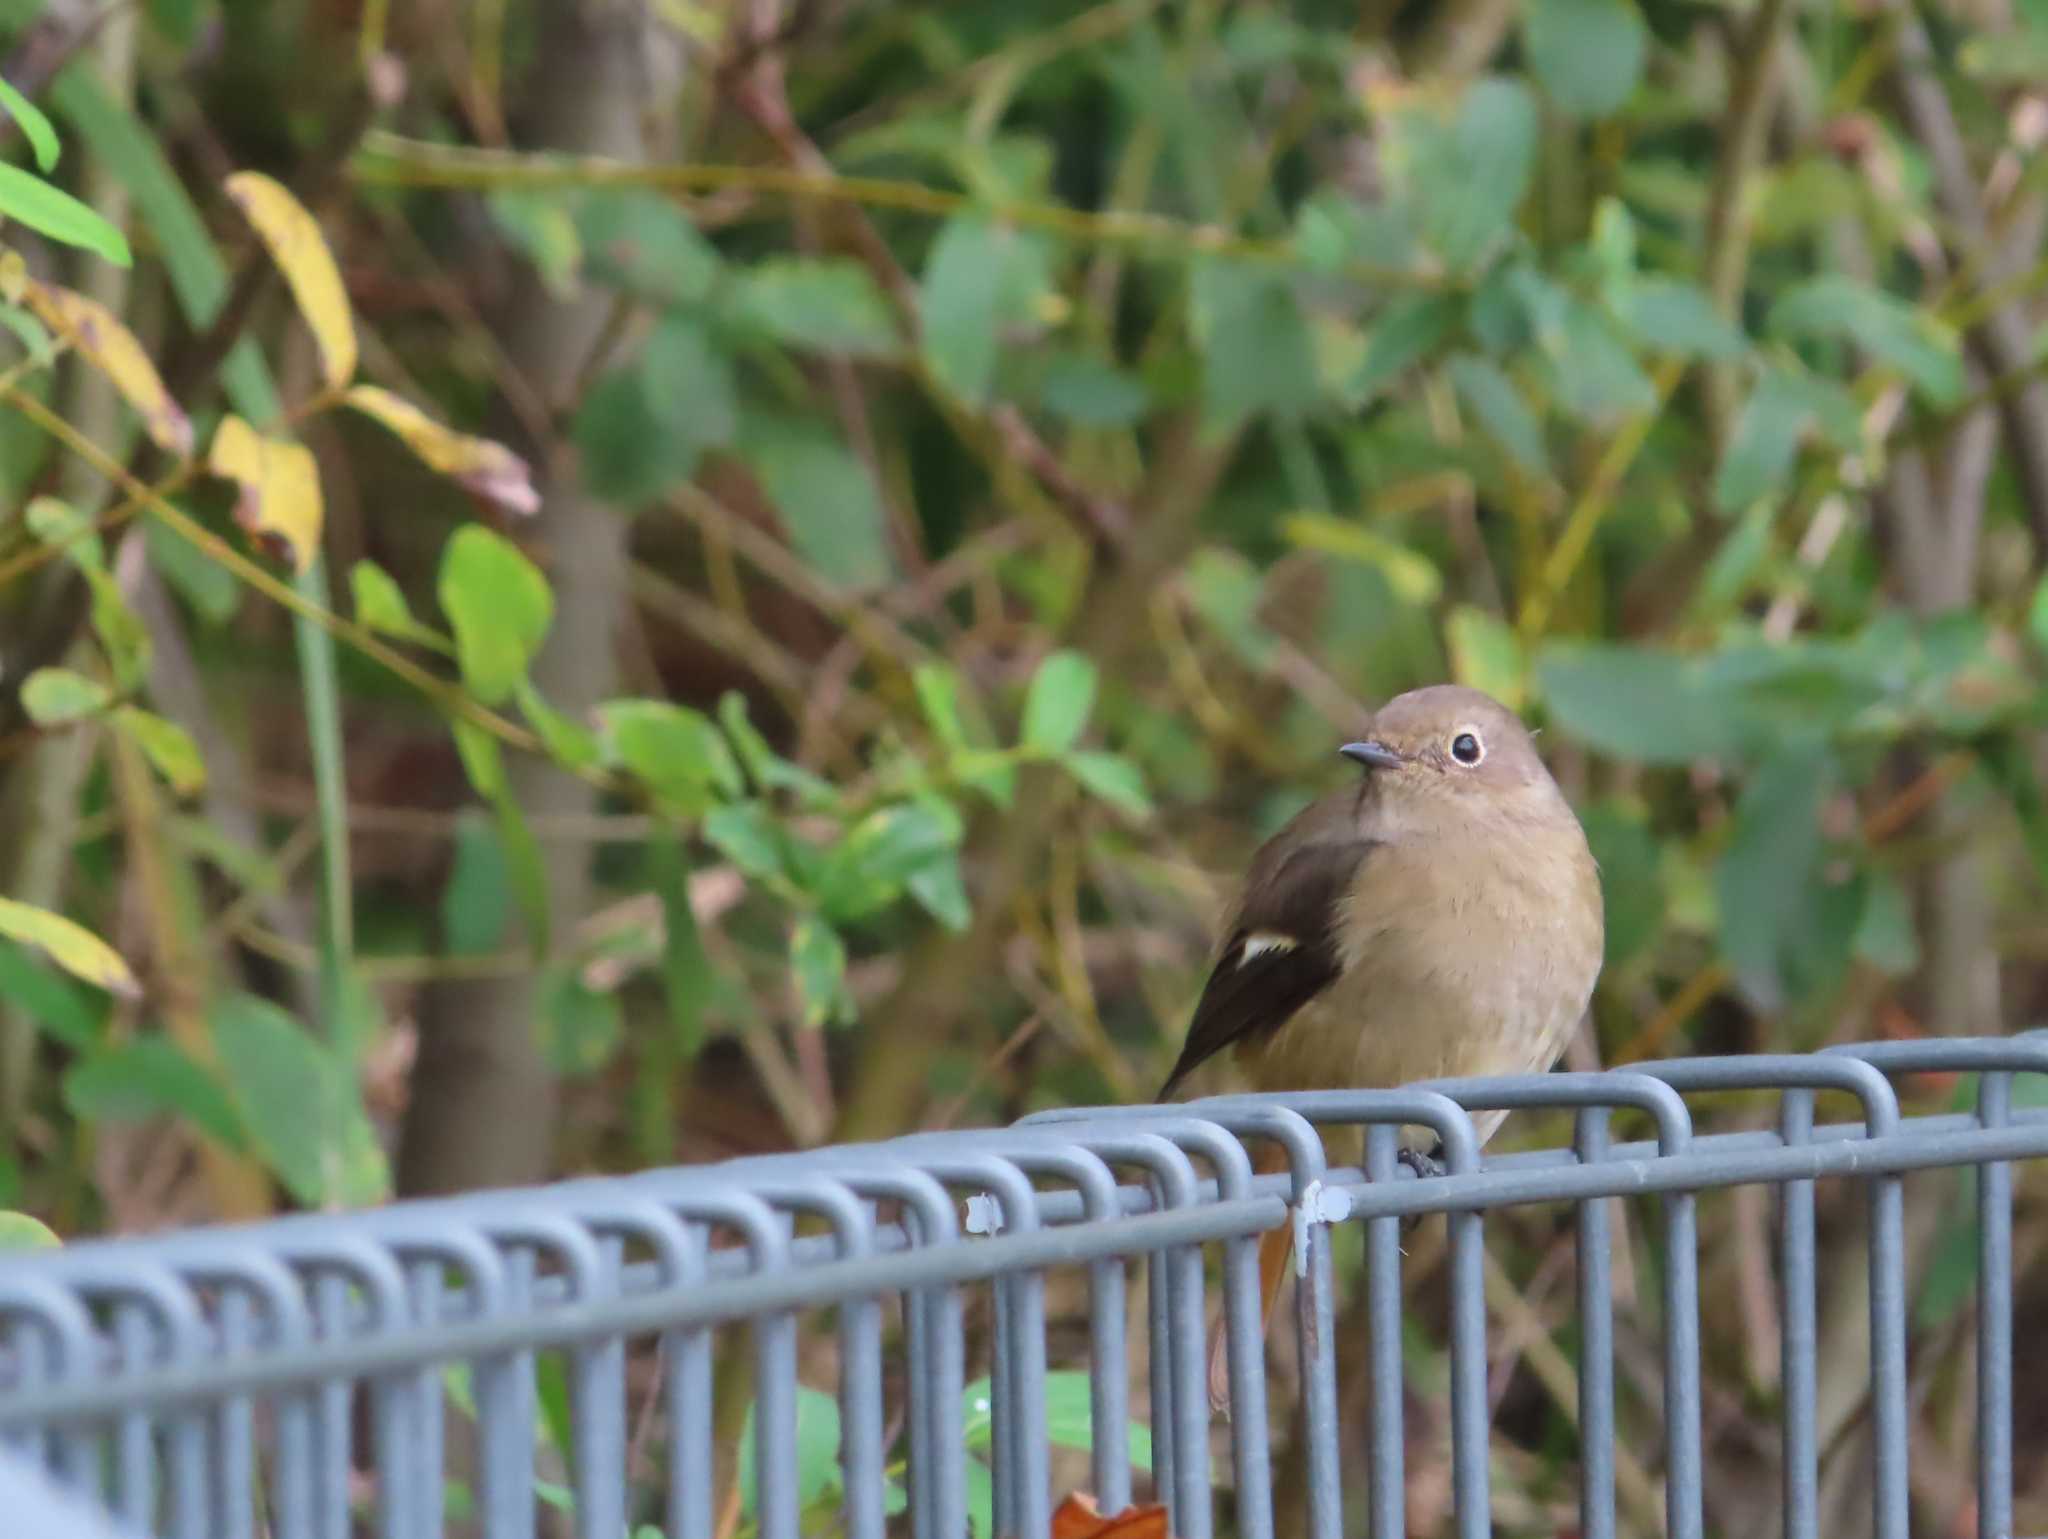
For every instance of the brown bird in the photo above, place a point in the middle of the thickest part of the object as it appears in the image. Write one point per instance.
(1440, 917)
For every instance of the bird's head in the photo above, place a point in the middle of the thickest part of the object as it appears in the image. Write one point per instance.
(1449, 742)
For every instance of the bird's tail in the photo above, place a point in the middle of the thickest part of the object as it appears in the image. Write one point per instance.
(1276, 1246)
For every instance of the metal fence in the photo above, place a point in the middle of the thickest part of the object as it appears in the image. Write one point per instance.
(294, 1378)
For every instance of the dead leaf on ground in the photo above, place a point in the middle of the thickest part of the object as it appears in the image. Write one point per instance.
(1079, 1518)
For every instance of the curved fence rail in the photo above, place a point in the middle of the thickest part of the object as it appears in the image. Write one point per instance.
(522, 1363)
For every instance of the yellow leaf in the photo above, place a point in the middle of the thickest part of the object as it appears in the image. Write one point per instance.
(295, 243)
(111, 348)
(487, 468)
(71, 946)
(280, 486)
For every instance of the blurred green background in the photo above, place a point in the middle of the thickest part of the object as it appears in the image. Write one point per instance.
(984, 458)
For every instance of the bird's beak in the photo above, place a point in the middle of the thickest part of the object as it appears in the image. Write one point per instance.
(1372, 755)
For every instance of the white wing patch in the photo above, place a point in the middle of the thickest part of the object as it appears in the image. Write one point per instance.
(1262, 942)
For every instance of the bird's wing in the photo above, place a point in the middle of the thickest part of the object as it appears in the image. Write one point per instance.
(1282, 951)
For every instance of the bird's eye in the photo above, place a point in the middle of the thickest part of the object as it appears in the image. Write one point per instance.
(1467, 749)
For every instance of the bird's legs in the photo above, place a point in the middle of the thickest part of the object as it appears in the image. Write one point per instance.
(1276, 1249)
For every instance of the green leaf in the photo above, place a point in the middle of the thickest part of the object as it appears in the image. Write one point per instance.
(626, 440)
(1412, 576)
(830, 305)
(381, 607)
(1594, 376)
(42, 138)
(151, 1076)
(826, 499)
(28, 199)
(70, 945)
(869, 867)
(1678, 318)
(677, 752)
(299, 1103)
(686, 975)
(1885, 936)
(766, 768)
(18, 1231)
(1625, 850)
(537, 223)
(1487, 655)
(1089, 392)
(747, 834)
(1069, 1418)
(981, 279)
(690, 383)
(1637, 703)
(581, 1028)
(1469, 174)
(817, 957)
(1501, 411)
(527, 869)
(637, 239)
(1910, 339)
(500, 607)
(69, 1012)
(1257, 355)
(570, 744)
(476, 905)
(1409, 330)
(1111, 778)
(1763, 445)
(1056, 707)
(1587, 54)
(58, 697)
(938, 696)
(939, 890)
(1764, 879)
(168, 747)
(981, 1499)
(817, 1452)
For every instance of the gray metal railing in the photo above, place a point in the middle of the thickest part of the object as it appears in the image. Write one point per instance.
(439, 1366)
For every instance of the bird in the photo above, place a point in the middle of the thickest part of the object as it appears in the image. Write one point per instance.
(1440, 916)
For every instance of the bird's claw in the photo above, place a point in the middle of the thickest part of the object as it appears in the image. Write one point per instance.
(1424, 1166)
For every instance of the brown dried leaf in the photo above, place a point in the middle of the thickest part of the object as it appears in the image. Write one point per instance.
(280, 487)
(1079, 1518)
(487, 468)
(293, 239)
(111, 348)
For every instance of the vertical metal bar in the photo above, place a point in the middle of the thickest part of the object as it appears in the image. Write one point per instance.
(1190, 1394)
(505, 1406)
(1469, 1438)
(1108, 1386)
(917, 1345)
(1388, 1512)
(234, 1429)
(1994, 1321)
(1002, 1407)
(1159, 1355)
(943, 1390)
(1682, 1495)
(331, 1406)
(598, 1372)
(1316, 1328)
(1798, 1330)
(134, 1449)
(860, 1413)
(1245, 1327)
(1033, 1484)
(1888, 1354)
(429, 1429)
(391, 1454)
(191, 1504)
(687, 1363)
(1596, 1342)
(775, 1480)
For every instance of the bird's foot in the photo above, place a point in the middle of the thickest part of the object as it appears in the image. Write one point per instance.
(1424, 1166)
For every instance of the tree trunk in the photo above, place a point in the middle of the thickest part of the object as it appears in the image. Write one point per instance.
(482, 1109)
